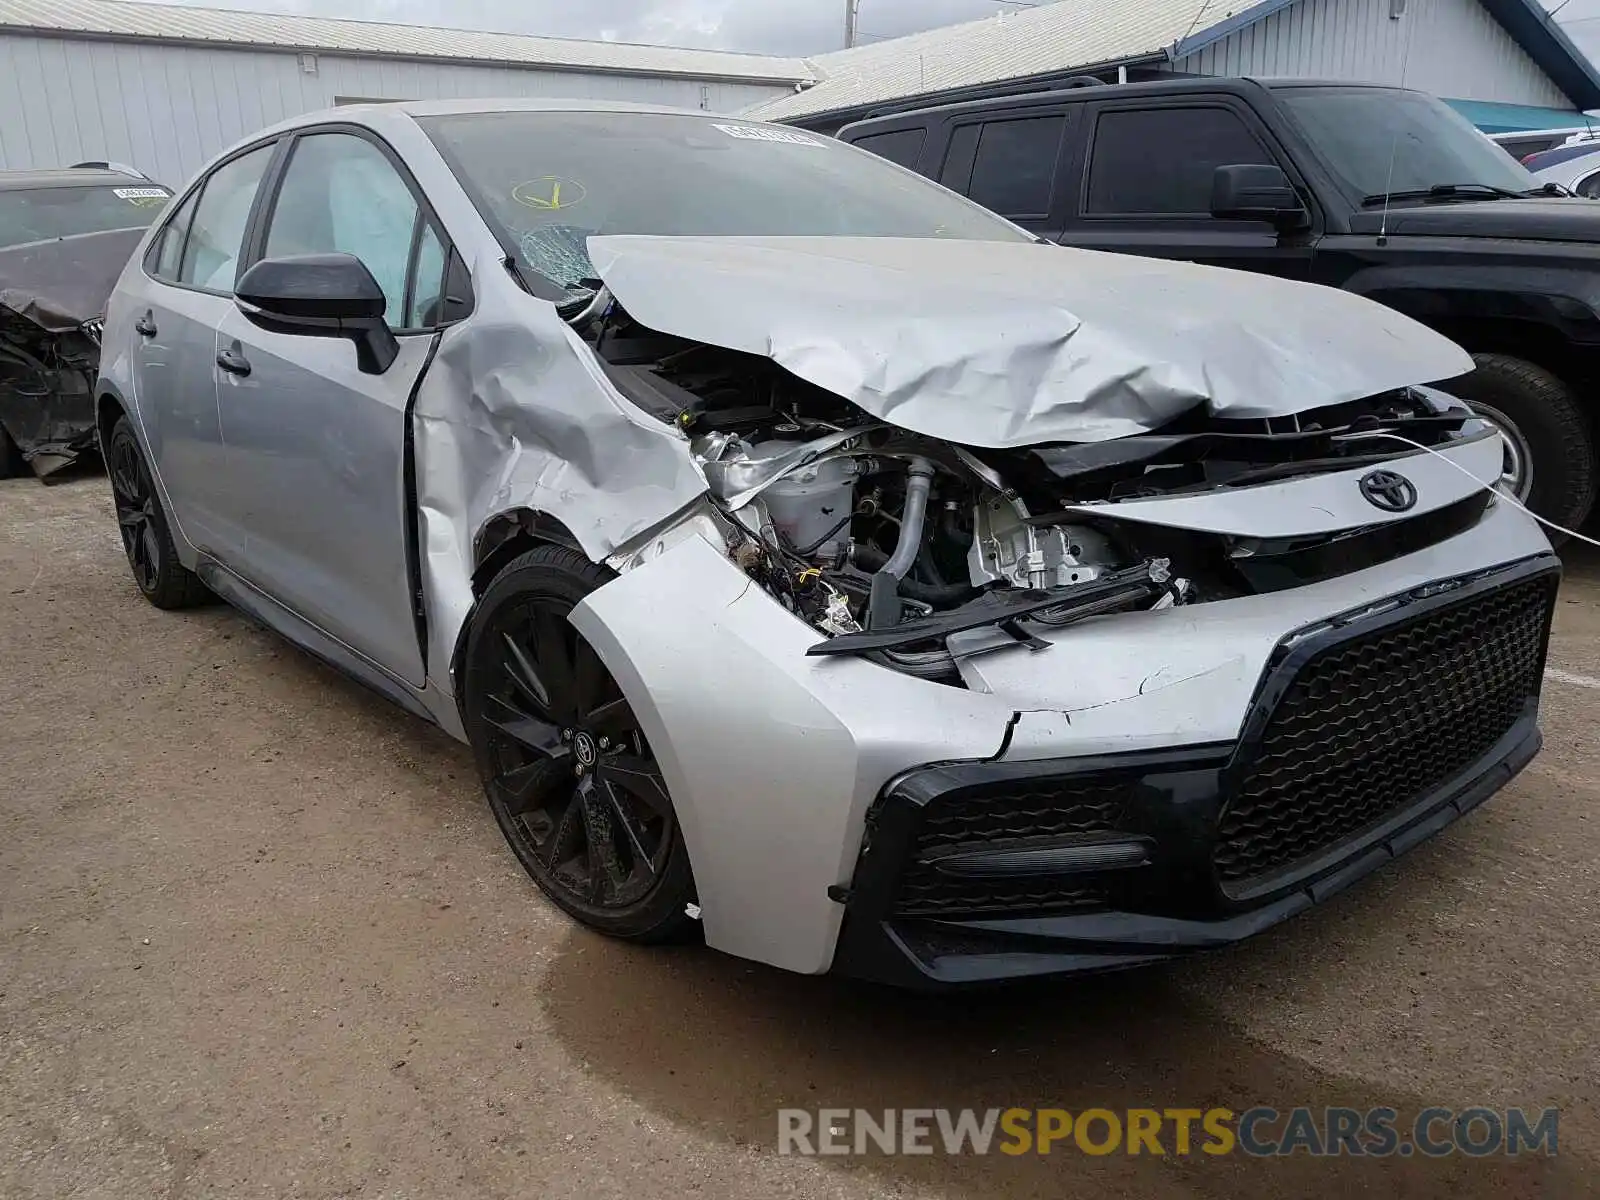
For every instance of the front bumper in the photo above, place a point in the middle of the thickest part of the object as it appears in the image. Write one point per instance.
(1365, 737)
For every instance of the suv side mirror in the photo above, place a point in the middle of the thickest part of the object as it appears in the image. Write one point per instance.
(1256, 192)
(321, 295)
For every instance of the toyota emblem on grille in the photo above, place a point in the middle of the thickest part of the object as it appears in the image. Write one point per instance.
(1388, 491)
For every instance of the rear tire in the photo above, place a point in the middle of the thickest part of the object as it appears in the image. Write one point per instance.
(567, 771)
(1545, 426)
(12, 464)
(146, 537)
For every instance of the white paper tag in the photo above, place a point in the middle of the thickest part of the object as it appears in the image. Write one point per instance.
(757, 133)
(144, 193)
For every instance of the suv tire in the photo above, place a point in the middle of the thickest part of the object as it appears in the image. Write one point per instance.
(1541, 417)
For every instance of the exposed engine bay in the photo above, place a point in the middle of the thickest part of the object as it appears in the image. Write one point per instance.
(906, 548)
(47, 391)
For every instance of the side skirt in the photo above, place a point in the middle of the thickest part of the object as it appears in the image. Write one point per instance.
(257, 604)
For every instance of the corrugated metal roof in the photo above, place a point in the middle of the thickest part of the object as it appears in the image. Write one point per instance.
(176, 23)
(1053, 37)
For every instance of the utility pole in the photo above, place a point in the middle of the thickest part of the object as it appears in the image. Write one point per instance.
(851, 8)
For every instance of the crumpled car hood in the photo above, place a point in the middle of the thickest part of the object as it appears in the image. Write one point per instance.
(1001, 344)
(61, 283)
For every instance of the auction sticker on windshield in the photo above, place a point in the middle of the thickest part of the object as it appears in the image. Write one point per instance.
(140, 195)
(755, 133)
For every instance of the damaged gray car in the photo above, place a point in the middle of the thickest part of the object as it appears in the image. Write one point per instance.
(811, 558)
(64, 238)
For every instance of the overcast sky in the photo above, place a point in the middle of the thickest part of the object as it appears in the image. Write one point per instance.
(794, 27)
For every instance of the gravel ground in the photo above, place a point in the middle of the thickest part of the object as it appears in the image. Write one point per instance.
(260, 937)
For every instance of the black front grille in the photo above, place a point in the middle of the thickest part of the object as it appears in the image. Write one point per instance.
(1374, 724)
(1023, 815)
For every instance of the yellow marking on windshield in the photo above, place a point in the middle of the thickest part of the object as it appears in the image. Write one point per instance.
(549, 193)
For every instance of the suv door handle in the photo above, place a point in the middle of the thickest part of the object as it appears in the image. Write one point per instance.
(146, 324)
(233, 362)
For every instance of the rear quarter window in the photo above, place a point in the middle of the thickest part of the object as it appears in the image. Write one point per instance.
(903, 146)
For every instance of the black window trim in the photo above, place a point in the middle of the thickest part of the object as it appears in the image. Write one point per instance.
(1225, 100)
(152, 255)
(1003, 117)
(261, 219)
(196, 190)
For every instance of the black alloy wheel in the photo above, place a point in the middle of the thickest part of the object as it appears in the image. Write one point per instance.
(568, 771)
(135, 499)
(146, 538)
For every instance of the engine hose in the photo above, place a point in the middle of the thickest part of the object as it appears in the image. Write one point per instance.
(883, 602)
(918, 484)
(869, 558)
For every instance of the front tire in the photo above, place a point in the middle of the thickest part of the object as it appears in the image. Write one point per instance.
(568, 773)
(146, 536)
(1550, 448)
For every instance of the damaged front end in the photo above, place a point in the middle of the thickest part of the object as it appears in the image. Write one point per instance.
(922, 554)
(930, 451)
(47, 391)
(1092, 568)
(52, 300)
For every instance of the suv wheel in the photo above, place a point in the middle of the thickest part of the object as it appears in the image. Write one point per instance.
(572, 781)
(1549, 448)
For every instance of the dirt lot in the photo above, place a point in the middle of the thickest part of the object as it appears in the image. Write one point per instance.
(260, 937)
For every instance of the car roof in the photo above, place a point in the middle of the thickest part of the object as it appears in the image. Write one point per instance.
(1568, 170)
(380, 114)
(447, 108)
(1177, 85)
(1560, 154)
(14, 181)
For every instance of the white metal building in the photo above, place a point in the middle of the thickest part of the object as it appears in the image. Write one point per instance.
(1504, 63)
(165, 87)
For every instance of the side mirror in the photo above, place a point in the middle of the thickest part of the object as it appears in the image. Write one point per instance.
(321, 295)
(1256, 192)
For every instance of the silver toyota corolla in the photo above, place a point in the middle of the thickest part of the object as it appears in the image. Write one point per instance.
(810, 555)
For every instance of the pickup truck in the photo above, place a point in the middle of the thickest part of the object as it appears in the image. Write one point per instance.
(1381, 191)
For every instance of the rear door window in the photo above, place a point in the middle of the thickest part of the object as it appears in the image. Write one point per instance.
(216, 236)
(1160, 161)
(903, 146)
(1014, 167)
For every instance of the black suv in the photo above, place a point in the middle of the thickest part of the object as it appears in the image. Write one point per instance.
(1381, 191)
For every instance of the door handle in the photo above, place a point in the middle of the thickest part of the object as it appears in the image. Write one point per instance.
(233, 362)
(146, 324)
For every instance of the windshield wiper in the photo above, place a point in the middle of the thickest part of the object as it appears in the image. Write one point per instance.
(1441, 191)
(1548, 189)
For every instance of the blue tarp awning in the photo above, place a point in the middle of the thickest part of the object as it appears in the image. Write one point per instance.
(1518, 118)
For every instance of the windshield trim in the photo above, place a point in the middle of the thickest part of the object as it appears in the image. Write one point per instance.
(542, 286)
